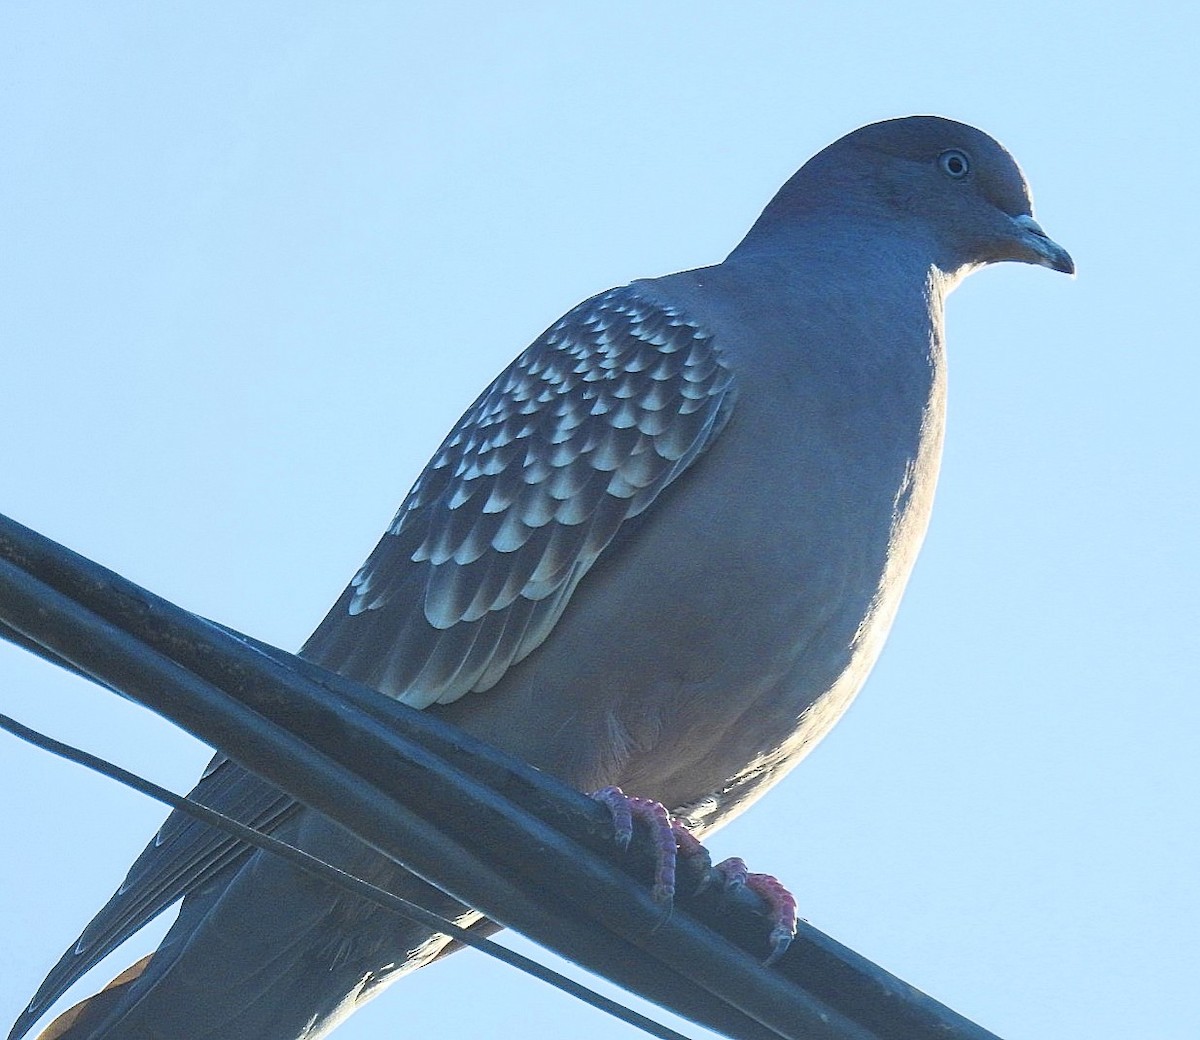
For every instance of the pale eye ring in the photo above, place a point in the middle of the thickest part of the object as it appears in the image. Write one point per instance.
(954, 164)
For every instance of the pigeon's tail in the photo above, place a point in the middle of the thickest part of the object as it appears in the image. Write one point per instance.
(275, 954)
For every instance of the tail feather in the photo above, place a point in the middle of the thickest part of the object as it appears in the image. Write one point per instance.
(81, 1019)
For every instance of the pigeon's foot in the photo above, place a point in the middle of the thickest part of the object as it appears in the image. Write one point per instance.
(781, 904)
(678, 855)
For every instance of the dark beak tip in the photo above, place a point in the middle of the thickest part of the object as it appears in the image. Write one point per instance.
(1065, 265)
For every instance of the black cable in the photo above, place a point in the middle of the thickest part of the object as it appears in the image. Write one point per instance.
(337, 877)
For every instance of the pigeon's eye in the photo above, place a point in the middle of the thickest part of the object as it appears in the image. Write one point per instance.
(954, 163)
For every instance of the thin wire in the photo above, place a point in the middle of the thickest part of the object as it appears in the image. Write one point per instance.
(337, 877)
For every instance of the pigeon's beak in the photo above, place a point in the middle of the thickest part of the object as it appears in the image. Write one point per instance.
(1036, 247)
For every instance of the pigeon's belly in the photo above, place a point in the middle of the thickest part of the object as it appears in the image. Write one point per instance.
(756, 724)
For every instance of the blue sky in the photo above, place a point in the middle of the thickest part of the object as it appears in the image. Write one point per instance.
(255, 263)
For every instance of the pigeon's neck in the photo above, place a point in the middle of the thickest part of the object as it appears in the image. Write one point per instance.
(853, 262)
(859, 244)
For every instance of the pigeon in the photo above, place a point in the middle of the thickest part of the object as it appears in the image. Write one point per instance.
(661, 550)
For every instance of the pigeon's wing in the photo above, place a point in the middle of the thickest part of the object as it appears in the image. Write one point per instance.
(579, 434)
(183, 856)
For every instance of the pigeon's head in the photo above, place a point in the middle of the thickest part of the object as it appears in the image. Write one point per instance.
(946, 182)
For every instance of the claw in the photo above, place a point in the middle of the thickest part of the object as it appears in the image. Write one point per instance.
(781, 904)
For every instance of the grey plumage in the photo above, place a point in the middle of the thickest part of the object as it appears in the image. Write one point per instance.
(661, 550)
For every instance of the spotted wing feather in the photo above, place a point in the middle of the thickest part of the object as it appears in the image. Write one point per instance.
(579, 434)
